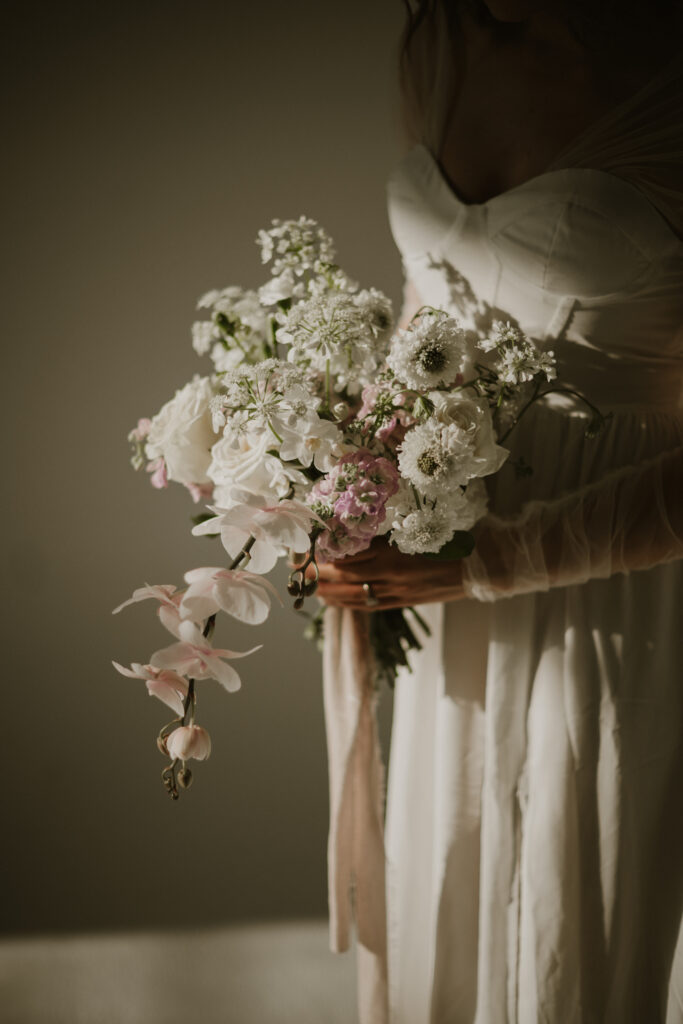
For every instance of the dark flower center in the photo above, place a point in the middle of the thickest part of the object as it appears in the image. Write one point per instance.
(427, 463)
(431, 359)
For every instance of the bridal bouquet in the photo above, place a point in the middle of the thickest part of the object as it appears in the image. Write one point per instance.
(318, 428)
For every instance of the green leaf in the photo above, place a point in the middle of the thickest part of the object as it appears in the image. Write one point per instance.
(460, 545)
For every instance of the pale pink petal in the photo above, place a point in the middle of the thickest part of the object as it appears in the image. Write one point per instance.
(233, 539)
(243, 600)
(222, 652)
(209, 525)
(282, 529)
(225, 675)
(181, 657)
(161, 592)
(168, 693)
(205, 575)
(191, 634)
(262, 557)
(126, 671)
(241, 516)
(251, 577)
(170, 618)
(189, 741)
(198, 606)
(159, 477)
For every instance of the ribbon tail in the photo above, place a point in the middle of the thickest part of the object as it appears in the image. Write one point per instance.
(356, 858)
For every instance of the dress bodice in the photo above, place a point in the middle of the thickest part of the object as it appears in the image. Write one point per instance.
(580, 259)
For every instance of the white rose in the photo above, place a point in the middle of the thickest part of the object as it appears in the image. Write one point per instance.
(182, 433)
(244, 464)
(473, 417)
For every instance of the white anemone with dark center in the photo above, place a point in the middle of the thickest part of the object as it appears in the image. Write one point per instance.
(430, 353)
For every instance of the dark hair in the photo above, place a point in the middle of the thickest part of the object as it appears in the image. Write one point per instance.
(602, 26)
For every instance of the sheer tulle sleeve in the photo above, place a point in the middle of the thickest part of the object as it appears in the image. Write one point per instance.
(631, 519)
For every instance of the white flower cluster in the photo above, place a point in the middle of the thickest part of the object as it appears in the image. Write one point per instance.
(239, 329)
(519, 360)
(271, 432)
(442, 461)
(338, 334)
(298, 246)
(431, 353)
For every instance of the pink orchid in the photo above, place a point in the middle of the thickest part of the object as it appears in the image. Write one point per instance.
(189, 741)
(274, 527)
(244, 595)
(166, 686)
(169, 598)
(194, 656)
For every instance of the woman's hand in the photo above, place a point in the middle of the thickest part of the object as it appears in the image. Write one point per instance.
(396, 580)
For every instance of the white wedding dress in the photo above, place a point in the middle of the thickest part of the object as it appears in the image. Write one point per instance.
(534, 836)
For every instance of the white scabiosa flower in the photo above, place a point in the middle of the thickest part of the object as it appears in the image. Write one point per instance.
(430, 353)
(377, 311)
(447, 451)
(434, 458)
(424, 531)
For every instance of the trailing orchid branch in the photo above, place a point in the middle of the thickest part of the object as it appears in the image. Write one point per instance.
(172, 776)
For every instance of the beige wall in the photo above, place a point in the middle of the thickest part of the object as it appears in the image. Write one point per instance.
(146, 145)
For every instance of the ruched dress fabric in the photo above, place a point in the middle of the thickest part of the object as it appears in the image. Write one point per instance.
(534, 835)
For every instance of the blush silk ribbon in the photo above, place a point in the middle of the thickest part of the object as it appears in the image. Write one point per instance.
(355, 852)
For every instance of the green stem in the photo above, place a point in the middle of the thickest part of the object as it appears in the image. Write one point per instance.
(517, 418)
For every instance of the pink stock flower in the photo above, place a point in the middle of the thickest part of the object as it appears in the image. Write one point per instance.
(274, 527)
(140, 432)
(169, 599)
(393, 430)
(166, 686)
(194, 656)
(354, 495)
(189, 741)
(244, 595)
(159, 477)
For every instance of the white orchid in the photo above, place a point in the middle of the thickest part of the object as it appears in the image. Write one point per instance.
(164, 684)
(194, 657)
(274, 528)
(189, 741)
(169, 599)
(241, 594)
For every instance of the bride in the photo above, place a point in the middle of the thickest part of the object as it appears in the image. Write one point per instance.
(534, 836)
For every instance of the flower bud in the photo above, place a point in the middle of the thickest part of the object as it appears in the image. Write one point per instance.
(189, 741)
(184, 778)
